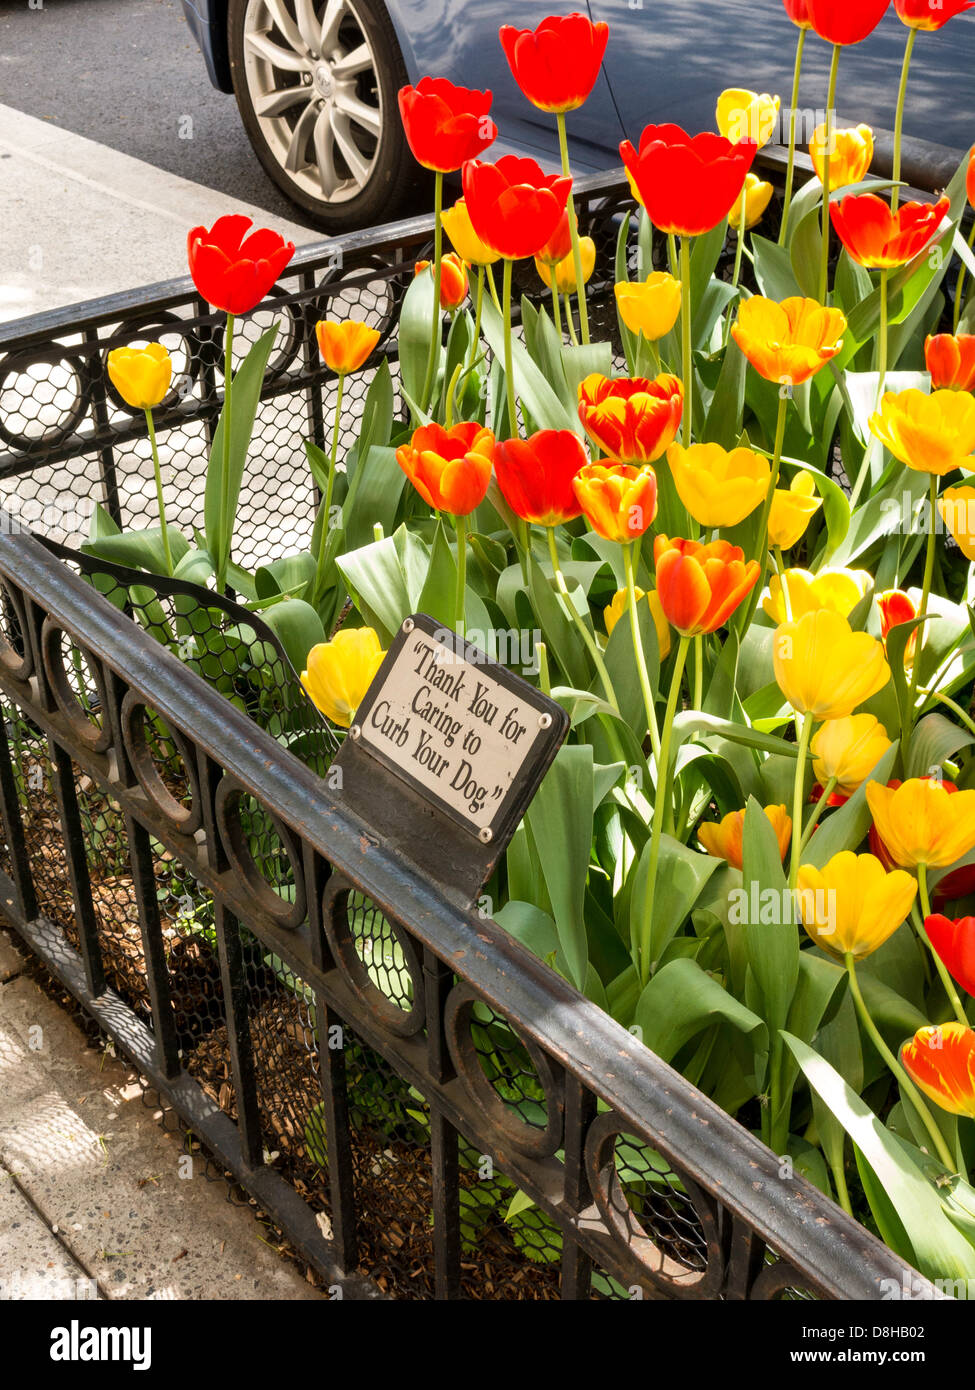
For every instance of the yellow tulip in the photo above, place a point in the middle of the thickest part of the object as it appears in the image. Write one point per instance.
(853, 904)
(615, 610)
(141, 376)
(456, 222)
(824, 668)
(719, 487)
(757, 195)
(341, 671)
(345, 346)
(723, 839)
(848, 750)
(957, 508)
(650, 306)
(922, 823)
(788, 341)
(792, 510)
(565, 271)
(745, 115)
(838, 590)
(931, 434)
(849, 156)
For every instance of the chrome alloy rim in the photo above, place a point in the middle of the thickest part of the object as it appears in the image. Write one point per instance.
(314, 86)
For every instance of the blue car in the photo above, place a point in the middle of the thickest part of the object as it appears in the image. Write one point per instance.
(316, 82)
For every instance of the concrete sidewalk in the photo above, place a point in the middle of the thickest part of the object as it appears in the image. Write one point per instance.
(82, 220)
(97, 1200)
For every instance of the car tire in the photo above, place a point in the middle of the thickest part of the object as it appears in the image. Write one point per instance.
(323, 118)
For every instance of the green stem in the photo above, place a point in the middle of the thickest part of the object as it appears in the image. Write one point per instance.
(698, 672)
(544, 679)
(228, 520)
(882, 339)
(449, 400)
(922, 612)
(329, 486)
(904, 1081)
(492, 287)
(571, 322)
(556, 307)
(461, 523)
(956, 313)
(899, 117)
(435, 328)
(817, 812)
(641, 656)
(168, 554)
(780, 571)
(688, 360)
(574, 233)
(797, 790)
(478, 305)
(762, 553)
(509, 376)
(661, 805)
(953, 705)
(672, 255)
(942, 969)
(584, 633)
(830, 100)
(842, 1191)
(790, 166)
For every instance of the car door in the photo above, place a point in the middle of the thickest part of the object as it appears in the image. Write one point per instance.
(459, 39)
(669, 62)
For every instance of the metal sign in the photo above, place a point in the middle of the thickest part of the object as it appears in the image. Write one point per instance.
(462, 735)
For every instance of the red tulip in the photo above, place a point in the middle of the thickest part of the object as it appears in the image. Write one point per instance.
(954, 941)
(845, 21)
(632, 418)
(514, 207)
(878, 238)
(556, 65)
(896, 608)
(445, 124)
(700, 586)
(559, 244)
(951, 361)
(958, 884)
(798, 12)
(535, 475)
(233, 274)
(688, 184)
(930, 14)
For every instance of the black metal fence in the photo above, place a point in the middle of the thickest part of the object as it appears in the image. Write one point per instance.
(423, 1107)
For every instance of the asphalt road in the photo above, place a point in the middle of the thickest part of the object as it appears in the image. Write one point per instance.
(127, 73)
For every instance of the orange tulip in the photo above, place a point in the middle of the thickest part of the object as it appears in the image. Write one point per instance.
(618, 500)
(951, 361)
(632, 419)
(940, 1060)
(724, 839)
(535, 475)
(450, 469)
(896, 607)
(345, 346)
(970, 177)
(788, 341)
(700, 586)
(878, 238)
(453, 280)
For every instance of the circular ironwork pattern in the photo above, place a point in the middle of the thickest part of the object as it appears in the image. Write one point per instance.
(404, 1022)
(537, 1140)
(694, 1271)
(186, 819)
(97, 737)
(228, 809)
(156, 328)
(68, 399)
(14, 636)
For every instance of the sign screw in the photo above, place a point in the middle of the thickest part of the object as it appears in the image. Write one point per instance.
(355, 732)
(408, 625)
(544, 721)
(485, 835)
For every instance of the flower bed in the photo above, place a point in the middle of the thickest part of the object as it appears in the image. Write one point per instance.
(753, 857)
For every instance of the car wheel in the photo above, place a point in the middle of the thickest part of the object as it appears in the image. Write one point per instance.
(316, 82)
